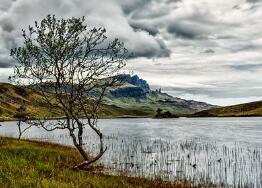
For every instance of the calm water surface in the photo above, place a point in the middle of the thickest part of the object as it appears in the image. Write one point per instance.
(225, 151)
(221, 130)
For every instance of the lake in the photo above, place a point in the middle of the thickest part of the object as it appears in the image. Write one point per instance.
(224, 151)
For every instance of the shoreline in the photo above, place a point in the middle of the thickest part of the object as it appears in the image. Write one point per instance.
(25, 157)
(143, 117)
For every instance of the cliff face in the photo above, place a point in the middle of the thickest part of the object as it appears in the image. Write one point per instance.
(136, 81)
(135, 92)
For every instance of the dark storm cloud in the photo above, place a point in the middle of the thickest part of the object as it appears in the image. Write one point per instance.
(196, 28)
(139, 39)
(186, 31)
(245, 47)
(213, 47)
(7, 26)
(6, 61)
(141, 9)
(162, 52)
(209, 51)
(129, 6)
(254, 1)
(247, 67)
(151, 29)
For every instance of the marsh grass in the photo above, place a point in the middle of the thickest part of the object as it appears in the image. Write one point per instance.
(38, 164)
(195, 160)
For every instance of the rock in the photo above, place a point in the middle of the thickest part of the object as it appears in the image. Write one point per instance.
(135, 92)
(136, 81)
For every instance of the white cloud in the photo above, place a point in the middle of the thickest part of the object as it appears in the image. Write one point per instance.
(214, 46)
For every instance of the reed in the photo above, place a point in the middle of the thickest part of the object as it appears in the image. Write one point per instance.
(196, 160)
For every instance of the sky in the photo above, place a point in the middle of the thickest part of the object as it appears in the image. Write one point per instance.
(206, 50)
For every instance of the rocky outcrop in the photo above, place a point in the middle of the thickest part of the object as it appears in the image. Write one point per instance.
(135, 92)
(136, 81)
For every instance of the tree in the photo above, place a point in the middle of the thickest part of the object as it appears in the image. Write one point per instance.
(22, 116)
(158, 112)
(72, 66)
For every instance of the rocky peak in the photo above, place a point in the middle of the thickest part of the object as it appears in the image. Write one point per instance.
(135, 80)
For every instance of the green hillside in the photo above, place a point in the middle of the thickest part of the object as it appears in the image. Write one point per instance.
(152, 100)
(247, 109)
(132, 99)
(12, 97)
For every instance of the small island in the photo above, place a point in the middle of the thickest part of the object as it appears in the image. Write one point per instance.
(164, 115)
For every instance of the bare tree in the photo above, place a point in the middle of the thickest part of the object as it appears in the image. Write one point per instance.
(72, 66)
(22, 116)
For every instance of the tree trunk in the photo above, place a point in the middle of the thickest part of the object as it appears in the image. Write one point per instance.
(79, 147)
(19, 129)
(87, 161)
(82, 152)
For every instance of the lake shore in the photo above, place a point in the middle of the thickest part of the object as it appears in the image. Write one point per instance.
(2, 119)
(171, 149)
(27, 163)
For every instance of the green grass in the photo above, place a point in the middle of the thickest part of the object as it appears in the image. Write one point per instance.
(149, 105)
(244, 110)
(12, 97)
(37, 164)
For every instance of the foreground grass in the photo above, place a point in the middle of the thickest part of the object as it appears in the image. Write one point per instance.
(37, 164)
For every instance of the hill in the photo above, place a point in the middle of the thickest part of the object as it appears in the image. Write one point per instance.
(133, 99)
(12, 97)
(136, 94)
(241, 110)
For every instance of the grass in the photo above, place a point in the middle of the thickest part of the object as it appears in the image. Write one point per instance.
(12, 97)
(38, 164)
(147, 106)
(241, 110)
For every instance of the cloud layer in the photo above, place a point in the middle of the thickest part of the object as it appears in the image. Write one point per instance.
(206, 50)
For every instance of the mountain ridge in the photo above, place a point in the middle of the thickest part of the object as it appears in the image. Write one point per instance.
(133, 99)
(240, 110)
(132, 96)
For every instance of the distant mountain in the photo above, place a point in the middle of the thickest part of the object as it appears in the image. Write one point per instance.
(245, 110)
(133, 99)
(136, 94)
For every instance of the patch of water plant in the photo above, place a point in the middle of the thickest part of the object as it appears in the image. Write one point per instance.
(194, 160)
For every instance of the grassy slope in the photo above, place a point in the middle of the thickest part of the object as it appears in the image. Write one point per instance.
(12, 97)
(38, 164)
(150, 104)
(247, 109)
